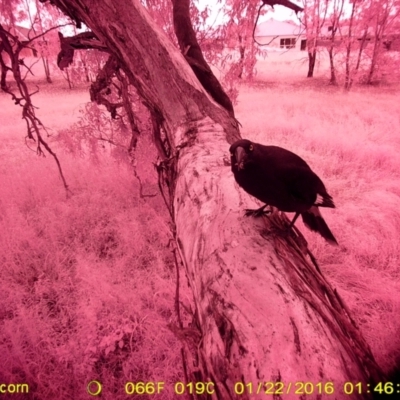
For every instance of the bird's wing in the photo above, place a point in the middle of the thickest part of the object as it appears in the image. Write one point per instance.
(302, 184)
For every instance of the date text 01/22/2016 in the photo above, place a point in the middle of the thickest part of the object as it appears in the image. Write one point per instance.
(267, 388)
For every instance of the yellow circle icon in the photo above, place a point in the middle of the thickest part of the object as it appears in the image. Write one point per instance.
(94, 388)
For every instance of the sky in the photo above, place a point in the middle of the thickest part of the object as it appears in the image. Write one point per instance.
(279, 13)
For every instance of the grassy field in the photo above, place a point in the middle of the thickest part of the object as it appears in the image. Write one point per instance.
(352, 141)
(88, 283)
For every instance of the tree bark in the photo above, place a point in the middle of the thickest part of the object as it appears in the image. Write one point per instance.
(4, 69)
(334, 23)
(242, 49)
(312, 55)
(46, 68)
(348, 79)
(263, 313)
(380, 27)
(359, 56)
(333, 80)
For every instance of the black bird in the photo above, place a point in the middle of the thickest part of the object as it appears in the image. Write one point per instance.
(281, 179)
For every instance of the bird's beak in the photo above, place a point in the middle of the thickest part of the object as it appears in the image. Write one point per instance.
(240, 156)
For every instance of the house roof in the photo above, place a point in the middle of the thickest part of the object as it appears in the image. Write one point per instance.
(273, 27)
(21, 32)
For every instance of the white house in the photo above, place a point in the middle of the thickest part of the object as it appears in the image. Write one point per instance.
(281, 35)
(24, 34)
(287, 35)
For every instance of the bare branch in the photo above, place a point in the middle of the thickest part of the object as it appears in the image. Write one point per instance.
(82, 41)
(44, 33)
(34, 125)
(194, 56)
(284, 3)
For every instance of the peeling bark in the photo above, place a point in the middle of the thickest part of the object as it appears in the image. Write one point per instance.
(264, 310)
(84, 40)
(101, 85)
(263, 313)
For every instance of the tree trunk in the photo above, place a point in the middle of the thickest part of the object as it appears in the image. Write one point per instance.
(46, 69)
(242, 50)
(263, 313)
(68, 78)
(3, 67)
(348, 80)
(333, 80)
(85, 68)
(379, 29)
(374, 60)
(312, 55)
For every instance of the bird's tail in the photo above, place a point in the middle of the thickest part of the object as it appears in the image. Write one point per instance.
(324, 200)
(314, 221)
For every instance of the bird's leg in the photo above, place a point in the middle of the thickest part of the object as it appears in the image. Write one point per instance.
(258, 212)
(293, 221)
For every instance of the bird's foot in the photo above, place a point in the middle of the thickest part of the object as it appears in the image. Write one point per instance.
(259, 212)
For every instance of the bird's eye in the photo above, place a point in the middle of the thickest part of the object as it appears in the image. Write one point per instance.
(251, 147)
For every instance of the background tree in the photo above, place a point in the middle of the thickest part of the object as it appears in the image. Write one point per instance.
(334, 23)
(384, 13)
(22, 96)
(315, 13)
(358, 22)
(37, 23)
(242, 17)
(364, 34)
(8, 19)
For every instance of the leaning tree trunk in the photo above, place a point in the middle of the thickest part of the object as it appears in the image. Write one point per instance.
(263, 314)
